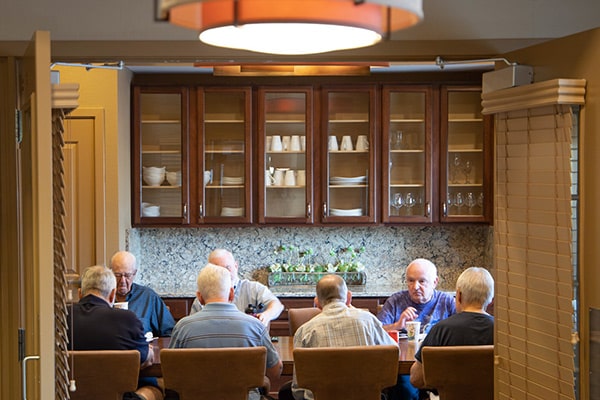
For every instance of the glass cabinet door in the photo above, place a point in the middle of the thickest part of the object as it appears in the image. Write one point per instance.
(466, 170)
(348, 144)
(406, 194)
(160, 140)
(285, 148)
(224, 167)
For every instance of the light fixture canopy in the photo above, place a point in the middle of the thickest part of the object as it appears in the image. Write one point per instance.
(292, 26)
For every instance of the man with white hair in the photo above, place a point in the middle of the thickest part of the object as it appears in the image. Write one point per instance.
(234, 328)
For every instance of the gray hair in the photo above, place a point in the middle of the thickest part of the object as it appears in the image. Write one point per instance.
(476, 286)
(331, 288)
(214, 281)
(98, 278)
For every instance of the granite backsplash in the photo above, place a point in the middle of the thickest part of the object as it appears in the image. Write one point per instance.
(169, 259)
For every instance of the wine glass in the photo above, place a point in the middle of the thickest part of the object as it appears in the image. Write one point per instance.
(397, 202)
(459, 201)
(470, 201)
(467, 167)
(397, 140)
(480, 201)
(457, 163)
(409, 202)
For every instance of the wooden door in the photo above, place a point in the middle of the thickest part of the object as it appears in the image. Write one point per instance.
(34, 295)
(84, 188)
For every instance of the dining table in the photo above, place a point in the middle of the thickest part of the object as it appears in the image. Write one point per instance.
(285, 348)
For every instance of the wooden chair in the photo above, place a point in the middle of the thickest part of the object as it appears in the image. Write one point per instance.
(226, 373)
(349, 373)
(104, 374)
(299, 316)
(460, 372)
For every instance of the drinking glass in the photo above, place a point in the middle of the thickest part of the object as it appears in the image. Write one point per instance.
(397, 202)
(397, 140)
(409, 202)
(459, 201)
(457, 163)
(470, 202)
(467, 167)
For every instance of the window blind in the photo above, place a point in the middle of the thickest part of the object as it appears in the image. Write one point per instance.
(534, 290)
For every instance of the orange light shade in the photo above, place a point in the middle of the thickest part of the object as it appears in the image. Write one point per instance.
(293, 26)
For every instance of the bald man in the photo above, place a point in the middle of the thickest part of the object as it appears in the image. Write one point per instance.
(142, 300)
(246, 292)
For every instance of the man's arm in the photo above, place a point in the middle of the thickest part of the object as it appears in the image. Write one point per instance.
(409, 314)
(416, 375)
(149, 359)
(273, 310)
(274, 372)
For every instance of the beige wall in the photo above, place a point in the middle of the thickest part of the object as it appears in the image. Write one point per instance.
(577, 56)
(108, 90)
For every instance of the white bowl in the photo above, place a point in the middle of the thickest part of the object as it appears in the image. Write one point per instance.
(174, 178)
(151, 211)
(153, 180)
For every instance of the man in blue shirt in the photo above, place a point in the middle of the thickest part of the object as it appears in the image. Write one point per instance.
(142, 300)
(420, 302)
(220, 324)
(472, 325)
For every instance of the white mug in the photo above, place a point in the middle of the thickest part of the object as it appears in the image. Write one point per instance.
(362, 144)
(333, 144)
(276, 144)
(208, 175)
(290, 178)
(295, 143)
(301, 177)
(269, 142)
(269, 180)
(346, 143)
(303, 143)
(285, 141)
(278, 177)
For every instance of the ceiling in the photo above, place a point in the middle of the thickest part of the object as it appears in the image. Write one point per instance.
(126, 30)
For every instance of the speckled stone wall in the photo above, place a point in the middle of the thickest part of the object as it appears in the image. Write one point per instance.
(169, 259)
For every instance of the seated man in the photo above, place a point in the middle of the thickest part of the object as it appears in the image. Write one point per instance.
(246, 293)
(142, 300)
(338, 325)
(420, 302)
(96, 325)
(472, 325)
(234, 328)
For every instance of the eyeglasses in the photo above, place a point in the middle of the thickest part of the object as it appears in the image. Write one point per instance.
(126, 276)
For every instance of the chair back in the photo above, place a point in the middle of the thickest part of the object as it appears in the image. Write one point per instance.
(226, 373)
(459, 372)
(104, 374)
(349, 373)
(299, 316)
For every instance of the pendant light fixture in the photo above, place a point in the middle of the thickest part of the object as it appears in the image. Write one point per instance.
(292, 27)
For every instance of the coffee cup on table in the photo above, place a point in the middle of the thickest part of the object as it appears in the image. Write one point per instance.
(413, 330)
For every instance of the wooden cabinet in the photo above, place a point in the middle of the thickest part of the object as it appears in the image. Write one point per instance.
(343, 154)
(285, 155)
(191, 156)
(160, 143)
(224, 155)
(348, 144)
(407, 154)
(435, 174)
(466, 157)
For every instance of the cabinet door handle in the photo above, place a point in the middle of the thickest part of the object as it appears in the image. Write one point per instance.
(185, 211)
(427, 209)
(324, 210)
(308, 210)
(200, 210)
(445, 209)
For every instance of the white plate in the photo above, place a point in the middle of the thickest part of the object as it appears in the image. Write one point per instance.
(233, 180)
(232, 212)
(343, 180)
(353, 212)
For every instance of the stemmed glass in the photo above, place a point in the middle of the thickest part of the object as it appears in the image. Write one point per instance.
(480, 201)
(457, 163)
(470, 201)
(467, 167)
(397, 202)
(409, 202)
(459, 201)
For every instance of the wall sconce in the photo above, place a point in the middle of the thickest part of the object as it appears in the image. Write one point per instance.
(292, 26)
